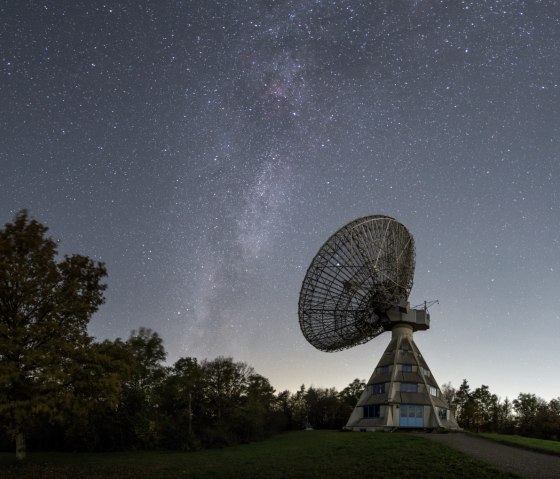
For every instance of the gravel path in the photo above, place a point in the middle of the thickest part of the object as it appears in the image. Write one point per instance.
(512, 459)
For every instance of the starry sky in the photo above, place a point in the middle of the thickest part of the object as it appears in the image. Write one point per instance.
(205, 150)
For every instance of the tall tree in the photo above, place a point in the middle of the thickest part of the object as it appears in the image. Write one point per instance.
(225, 381)
(45, 307)
(548, 420)
(300, 407)
(179, 405)
(526, 407)
(254, 415)
(505, 417)
(484, 407)
(284, 410)
(462, 404)
(139, 406)
(225, 384)
(148, 353)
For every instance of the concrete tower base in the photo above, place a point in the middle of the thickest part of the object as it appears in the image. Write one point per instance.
(402, 392)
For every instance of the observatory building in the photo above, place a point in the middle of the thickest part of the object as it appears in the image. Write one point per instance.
(402, 392)
(356, 288)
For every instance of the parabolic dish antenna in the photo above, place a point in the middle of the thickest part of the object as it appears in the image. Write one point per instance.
(362, 271)
(356, 288)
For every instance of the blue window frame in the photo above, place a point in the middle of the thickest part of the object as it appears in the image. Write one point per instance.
(407, 368)
(412, 415)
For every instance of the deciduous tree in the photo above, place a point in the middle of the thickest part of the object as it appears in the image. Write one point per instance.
(45, 307)
(139, 406)
(526, 407)
(351, 393)
(449, 394)
(225, 389)
(180, 405)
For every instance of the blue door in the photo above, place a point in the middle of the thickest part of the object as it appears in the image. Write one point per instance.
(412, 415)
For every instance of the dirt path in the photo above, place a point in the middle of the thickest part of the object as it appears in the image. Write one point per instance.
(512, 459)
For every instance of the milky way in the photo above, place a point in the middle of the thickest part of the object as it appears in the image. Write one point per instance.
(205, 151)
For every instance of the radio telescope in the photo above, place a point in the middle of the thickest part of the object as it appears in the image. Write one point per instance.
(356, 288)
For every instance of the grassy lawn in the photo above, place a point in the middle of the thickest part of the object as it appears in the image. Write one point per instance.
(526, 442)
(309, 454)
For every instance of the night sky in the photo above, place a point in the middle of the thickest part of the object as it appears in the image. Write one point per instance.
(205, 150)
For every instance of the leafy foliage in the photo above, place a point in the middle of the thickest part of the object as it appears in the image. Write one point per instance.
(480, 410)
(45, 306)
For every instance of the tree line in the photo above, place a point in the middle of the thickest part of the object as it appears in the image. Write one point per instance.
(60, 389)
(480, 410)
(127, 398)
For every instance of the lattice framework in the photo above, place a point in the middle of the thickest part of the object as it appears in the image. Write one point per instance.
(361, 271)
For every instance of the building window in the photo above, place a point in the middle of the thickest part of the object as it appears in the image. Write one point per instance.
(409, 387)
(378, 388)
(412, 415)
(373, 410)
(426, 372)
(419, 410)
(442, 413)
(433, 391)
(383, 369)
(407, 368)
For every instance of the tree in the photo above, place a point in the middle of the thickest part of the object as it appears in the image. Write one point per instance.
(449, 394)
(526, 407)
(300, 407)
(548, 420)
(45, 307)
(349, 397)
(484, 407)
(325, 408)
(148, 353)
(463, 405)
(225, 385)
(351, 393)
(254, 416)
(505, 417)
(89, 420)
(179, 401)
(139, 405)
(282, 407)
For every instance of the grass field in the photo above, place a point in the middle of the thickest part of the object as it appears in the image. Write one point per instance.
(551, 447)
(303, 454)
